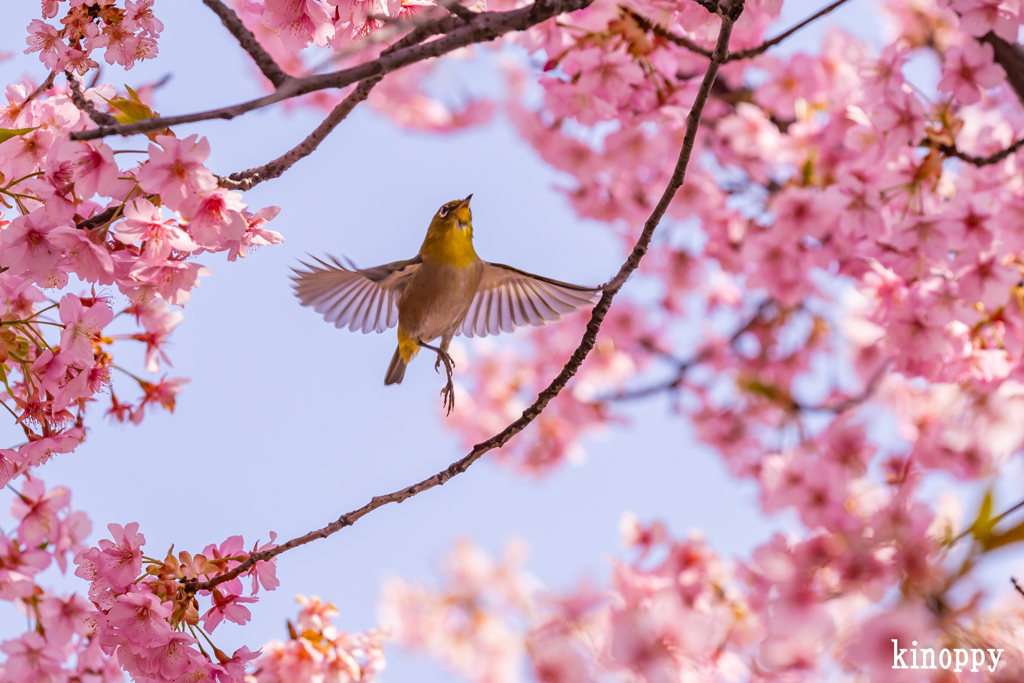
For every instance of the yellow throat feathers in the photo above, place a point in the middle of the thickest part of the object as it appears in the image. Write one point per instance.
(449, 245)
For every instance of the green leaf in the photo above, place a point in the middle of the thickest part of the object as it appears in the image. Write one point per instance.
(981, 528)
(8, 133)
(132, 108)
(1014, 535)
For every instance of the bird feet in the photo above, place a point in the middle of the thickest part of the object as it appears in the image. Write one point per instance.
(448, 392)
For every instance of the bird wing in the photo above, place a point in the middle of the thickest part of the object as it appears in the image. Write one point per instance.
(509, 298)
(361, 299)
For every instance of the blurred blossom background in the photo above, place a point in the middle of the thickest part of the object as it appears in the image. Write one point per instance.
(286, 423)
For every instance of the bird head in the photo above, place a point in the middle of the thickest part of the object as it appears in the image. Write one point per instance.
(455, 215)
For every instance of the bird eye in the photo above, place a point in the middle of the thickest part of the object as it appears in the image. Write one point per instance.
(443, 213)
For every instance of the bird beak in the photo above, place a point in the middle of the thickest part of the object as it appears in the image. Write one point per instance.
(462, 210)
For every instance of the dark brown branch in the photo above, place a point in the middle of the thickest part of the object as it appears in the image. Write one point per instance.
(248, 41)
(458, 10)
(245, 180)
(1016, 586)
(749, 53)
(485, 26)
(1011, 58)
(99, 219)
(768, 44)
(952, 151)
(682, 41)
(570, 368)
(99, 118)
(43, 87)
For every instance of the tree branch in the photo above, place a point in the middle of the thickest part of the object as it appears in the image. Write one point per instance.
(246, 180)
(43, 87)
(850, 401)
(484, 27)
(570, 368)
(455, 8)
(99, 219)
(648, 25)
(952, 151)
(749, 53)
(765, 46)
(98, 117)
(248, 41)
(685, 366)
(1011, 58)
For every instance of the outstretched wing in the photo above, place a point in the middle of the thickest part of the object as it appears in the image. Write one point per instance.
(361, 299)
(509, 298)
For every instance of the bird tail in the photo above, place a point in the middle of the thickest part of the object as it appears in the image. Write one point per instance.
(406, 351)
(396, 371)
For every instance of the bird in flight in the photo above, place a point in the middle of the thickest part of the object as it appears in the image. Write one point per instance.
(443, 291)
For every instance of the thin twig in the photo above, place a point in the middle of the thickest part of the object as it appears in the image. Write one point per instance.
(648, 25)
(749, 53)
(570, 368)
(1016, 585)
(99, 118)
(952, 151)
(850, 401)
(484, 27)
(43, 87)
(246, 180)
(99, 219)
(247, 40)
(995, 520)
(458, 10)
(685, 366)
(763, 47)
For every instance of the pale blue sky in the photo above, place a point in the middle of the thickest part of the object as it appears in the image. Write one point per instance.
(286, 423)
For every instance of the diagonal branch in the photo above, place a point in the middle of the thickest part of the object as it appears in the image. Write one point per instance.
(103, 217)
(248, 41)
(1011, 58)
(648, 25)
(570, 368)
(99, 118)
(685, 366)
(484, 27)
(43, 87)
(749, 53)
(765, 46)
(848, 403)
(952, 151)
(245, 180)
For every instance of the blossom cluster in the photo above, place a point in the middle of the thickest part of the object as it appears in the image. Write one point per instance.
(86, 238)
(847, 245)
(141, 615)
(318, 651)
(676, 611)
(127, 35)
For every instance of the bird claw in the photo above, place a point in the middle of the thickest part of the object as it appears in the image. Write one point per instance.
(448, 397)
(448, 392)
(448, 361)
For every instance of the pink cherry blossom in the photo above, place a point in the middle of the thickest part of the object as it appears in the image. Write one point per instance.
(175, 169)
(145, 223)
(969, 70)
(81, 328)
